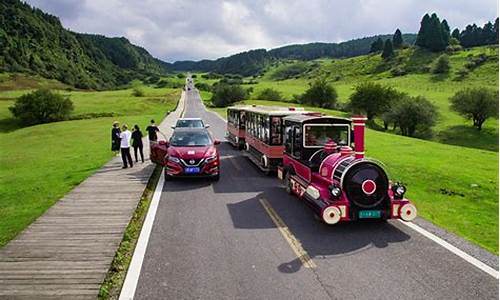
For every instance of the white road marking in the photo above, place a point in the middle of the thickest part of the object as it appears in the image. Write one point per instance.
(474, 261)
(134, 270)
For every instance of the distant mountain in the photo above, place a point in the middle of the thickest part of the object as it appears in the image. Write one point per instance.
(254, 62)
(32, 41)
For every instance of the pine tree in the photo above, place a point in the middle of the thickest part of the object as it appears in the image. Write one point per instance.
(388, 50)
(397, 39)
(456, 34)
(495, 30)
(445, 28)
(424, 31)
(434, 40)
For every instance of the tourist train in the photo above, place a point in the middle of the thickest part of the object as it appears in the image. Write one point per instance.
(320, 159)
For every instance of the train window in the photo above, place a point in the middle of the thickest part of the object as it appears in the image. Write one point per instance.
(242, 119)
(276, 131)
(288, 139)
(297, 141)
(265, 122)
(317, 135)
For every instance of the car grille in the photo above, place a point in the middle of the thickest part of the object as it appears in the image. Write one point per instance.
(192, 162)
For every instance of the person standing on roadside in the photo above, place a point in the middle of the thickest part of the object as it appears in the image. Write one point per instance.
(137, 142)
(125, 136)
(115, 137)
(152, 130)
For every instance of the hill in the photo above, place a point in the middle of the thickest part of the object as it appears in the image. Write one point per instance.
(35, 42)
(254, 62)
(408, 72)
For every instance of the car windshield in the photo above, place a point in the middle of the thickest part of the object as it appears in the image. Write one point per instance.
(190, 123)
(190, 139)
(319, 135)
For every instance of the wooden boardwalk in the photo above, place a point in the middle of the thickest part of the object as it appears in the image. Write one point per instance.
(66, 253)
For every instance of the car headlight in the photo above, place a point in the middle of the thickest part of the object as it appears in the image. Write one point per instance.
(211, 158)
(335, 191)
(399, 190)
(174, 159)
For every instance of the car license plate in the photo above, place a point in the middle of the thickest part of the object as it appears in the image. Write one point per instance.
(192, 170)
(369, 214)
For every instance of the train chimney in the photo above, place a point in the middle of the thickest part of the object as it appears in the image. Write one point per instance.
(358, 122)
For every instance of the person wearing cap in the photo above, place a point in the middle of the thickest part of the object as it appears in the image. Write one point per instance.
(125, 136)
(115, 137)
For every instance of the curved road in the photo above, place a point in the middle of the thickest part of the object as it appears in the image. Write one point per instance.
(217, 241)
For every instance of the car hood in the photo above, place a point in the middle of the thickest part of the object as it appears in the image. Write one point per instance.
(192, 152)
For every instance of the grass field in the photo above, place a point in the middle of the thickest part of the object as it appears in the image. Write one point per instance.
(345, 74)
(42, 163)
(454, 187)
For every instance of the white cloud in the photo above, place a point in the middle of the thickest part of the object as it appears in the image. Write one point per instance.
(193, 29)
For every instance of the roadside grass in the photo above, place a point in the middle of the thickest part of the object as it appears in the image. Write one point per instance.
(451, 128)
(115, 277)
(41, 163)
(454, 187)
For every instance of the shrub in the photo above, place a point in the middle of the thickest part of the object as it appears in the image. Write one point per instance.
(202, 86)
(398, 71)
(137, 92)
(180, 75)
(270, 94)
(41, 106)
(289, 71)
(442, 65)
(320, 94)
(476, 104)
(227, 94)
(413, 115)
(193, 76)
(372, 99)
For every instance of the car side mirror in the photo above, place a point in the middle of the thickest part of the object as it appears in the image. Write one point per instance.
(173, 126)
(207, 126)
(216, 142)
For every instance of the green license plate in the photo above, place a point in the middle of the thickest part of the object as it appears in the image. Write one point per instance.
(370, 214)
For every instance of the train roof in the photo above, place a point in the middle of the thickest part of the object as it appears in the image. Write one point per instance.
(301, 118)
(275, 110)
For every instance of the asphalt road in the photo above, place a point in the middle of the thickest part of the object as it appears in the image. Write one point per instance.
(216, 241)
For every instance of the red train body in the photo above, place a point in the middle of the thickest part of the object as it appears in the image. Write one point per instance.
(321, 160)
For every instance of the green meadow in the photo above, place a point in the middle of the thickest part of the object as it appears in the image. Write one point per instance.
(41, 163)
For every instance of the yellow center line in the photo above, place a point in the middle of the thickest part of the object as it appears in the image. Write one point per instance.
(296, 246)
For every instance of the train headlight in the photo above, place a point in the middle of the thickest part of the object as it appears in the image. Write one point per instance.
(335, 191)
(399, 190)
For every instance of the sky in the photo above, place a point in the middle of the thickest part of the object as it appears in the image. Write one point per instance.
(208, 29)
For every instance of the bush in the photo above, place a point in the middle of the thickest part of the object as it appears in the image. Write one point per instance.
(180, 75)
(42, 106)
(476, 104)
(270, 94)
(398, 71)
(413, 115)
(202, 86)
(137, 92)
(372, 99)
(227, 94)
(289, 71)
(320, 94)
(442, 65)
(193, 76)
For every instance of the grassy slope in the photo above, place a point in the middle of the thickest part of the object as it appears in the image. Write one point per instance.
(451, 128)
(453, 187)
(42, 163)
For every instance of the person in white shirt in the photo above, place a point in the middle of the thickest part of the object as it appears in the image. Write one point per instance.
(125, 146)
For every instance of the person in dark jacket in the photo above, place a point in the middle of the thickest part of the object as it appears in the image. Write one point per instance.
(137, 142)
(115, 137)
(152, 130)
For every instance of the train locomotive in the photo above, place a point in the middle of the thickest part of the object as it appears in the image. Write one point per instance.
(322, 161)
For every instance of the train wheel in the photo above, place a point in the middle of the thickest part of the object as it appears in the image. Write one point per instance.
(288, 183)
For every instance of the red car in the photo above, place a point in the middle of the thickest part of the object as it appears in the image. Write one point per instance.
(191, 152)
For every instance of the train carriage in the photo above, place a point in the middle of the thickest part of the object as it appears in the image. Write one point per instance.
(236, 122)
(264, 135)
(324, 165)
